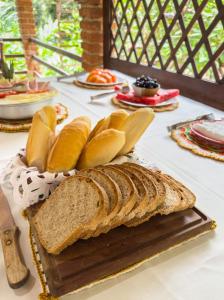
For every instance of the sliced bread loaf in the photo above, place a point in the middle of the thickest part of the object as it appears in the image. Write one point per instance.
(151, 188)
(128, 192)
(76, 206)
(143, 200)
(113, 193)
(188, 198)
(156, 179)
(178, 198)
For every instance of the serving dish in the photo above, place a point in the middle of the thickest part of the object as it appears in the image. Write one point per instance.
(82, 79)
(145, 92)
(12, 108)
(206, 141)
(164, 103)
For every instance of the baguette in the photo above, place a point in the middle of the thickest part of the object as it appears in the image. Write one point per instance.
(101, 149)
(41, 137)
(134, 126)
(68, 145)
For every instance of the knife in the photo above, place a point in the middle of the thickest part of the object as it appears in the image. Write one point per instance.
(16, 270)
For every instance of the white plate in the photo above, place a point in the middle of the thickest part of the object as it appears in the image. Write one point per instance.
(164, 103)
(82, 79)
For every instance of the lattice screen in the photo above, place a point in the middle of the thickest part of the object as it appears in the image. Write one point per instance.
(179, 36)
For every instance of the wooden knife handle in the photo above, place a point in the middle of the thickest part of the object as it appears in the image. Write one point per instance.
(17, 272)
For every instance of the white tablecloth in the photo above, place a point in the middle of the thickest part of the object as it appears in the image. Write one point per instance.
(194, 271)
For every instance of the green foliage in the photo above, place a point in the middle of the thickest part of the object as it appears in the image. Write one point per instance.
(65, 35)
(215, 38)
(61, 27)
(7, 70)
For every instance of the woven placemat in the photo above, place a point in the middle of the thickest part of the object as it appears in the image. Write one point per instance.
(168, 107)
(183, 138)
(93, 87)
(12, 126)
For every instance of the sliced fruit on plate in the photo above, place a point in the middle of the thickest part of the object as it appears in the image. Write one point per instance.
(101, 76)
(161, 96)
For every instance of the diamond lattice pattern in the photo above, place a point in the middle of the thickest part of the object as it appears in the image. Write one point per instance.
(181, 36)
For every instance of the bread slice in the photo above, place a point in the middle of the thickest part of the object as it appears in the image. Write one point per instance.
(178, 198)
(101, 149)
(151, 188)
(128, 192)
(68, 146)
(143, 200)
(75, 206)
(154, 177)
(113, 193)
(188, 198)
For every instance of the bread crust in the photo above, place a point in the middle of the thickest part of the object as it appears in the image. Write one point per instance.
(101, 149)
(68, 146)
(75, 234)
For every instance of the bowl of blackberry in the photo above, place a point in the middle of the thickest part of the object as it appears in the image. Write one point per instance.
(145, 86)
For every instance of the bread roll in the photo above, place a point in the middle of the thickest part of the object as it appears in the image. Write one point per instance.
(134, 126)
(83, 119)
(117, 118)
(68, 146)
(102, 125)
(101, 149)
(41, 137)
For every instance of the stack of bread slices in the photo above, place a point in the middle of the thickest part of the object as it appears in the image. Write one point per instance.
(96, 200)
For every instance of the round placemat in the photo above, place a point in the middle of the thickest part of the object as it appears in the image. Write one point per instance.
(93, 87)
(169, 107)
(11, 126)
(183, 138)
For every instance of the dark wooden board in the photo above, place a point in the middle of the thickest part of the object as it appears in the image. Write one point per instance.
(94, 259)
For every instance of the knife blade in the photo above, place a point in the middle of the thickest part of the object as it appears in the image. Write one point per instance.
(16, 270)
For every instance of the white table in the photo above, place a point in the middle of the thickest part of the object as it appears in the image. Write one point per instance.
(194, 271)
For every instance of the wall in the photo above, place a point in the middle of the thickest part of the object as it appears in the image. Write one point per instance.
(91, 12)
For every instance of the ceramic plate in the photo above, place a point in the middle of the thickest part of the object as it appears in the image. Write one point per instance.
(82, 79)
(164, 103)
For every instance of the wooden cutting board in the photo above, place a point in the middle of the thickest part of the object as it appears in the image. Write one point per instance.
(91, 260)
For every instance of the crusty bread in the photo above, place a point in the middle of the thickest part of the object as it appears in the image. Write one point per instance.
(117, 118)
(73, 208)
(134, 126)
(151, 188)
(113, 192)
(100, 199)
(128, 191)
(142, 203)
(101, 125)
(171, 204)
(178, 198)
(68, 146)
(156, 178)
(188, 198)
(41, 137)
(101, 149)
